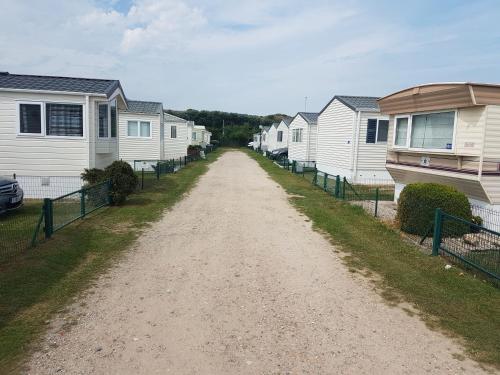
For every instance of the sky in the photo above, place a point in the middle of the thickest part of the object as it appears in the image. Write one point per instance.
(257, 57)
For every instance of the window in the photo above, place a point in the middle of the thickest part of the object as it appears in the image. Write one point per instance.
(139, 129)
(263, 137)
(194, 136)
(103, 120)
(297, 135)
(401, 132)
(433, 131)
(280, 136)
(114, 120)
(376, 131)
(64, 119)
(30, 118)
(173, 131)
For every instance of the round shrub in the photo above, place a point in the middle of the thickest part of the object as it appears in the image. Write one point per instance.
(123, 180)
(418, 202)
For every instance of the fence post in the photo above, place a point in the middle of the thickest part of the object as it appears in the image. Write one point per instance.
(48, 217)
(142, 179)
(376, 202)
(337, 186)
(325, 181)
(294, 166)
(343, 188)
(436, 239)
(82, 203)
(157, 170)
(110, 197)
(315, 178)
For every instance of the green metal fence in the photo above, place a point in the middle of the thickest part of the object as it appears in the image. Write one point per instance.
(471, 245)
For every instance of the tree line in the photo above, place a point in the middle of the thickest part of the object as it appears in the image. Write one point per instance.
(238, 128)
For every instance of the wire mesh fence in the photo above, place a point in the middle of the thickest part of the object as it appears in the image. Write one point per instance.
(471, 245)
(18, 229)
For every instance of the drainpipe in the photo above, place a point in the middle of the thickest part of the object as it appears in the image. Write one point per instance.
(355, 146)
(88, 132)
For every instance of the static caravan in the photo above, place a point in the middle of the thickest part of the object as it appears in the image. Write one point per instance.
(352, 140)
(141, 134)
(200, 136)
(446, 133)
(190, 131)
(52, 128)
(264, 138)
(175, 137)
(256, 141)
(278, 134)
(302, 137)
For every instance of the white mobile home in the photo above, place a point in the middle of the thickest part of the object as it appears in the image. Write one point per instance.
(52, 128)
(278, 134)
(446, 133)
(302, 137)
(256, 141)
(176, 136)
(352, 139)
(141, 133)
(264, 138)
(200, 136)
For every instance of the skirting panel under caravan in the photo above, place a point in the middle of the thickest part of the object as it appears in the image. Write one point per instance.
(39, 187)
(362, 177)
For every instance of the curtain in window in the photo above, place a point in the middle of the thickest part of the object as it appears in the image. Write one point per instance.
(145, 129)
(401, 131)
(64, 119)
(103, 120)
(133, 130)
(433, 130)
(114, 119)
(30, 118)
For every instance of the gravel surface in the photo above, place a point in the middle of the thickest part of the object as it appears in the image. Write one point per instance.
(233, 280)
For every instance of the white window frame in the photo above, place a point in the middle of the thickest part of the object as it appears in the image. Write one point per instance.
(43, 133)
(295, 135)
(42, 118)
(376, 131)
(173, 127)
(410, 131)
(139, 130)
(109, 137)
(277, 134)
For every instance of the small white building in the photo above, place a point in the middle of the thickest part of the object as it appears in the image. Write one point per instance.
(141, 134)
(352, 140)
(278, 134)
(264, 138)
(256, 141)
(176, 136)
(200, 136)
(52, 128)
(302, 137)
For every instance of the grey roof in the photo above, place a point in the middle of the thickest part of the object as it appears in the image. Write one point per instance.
(266, 128)
(150, 108)
(171, 118)
(275, 124)
(357, 103)
(53, 83)
(287, 120)
(310, 117)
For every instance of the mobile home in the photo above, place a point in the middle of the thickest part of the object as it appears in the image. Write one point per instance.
(52, 128)
(302, 137)
(141, 134)
(175, 137)
(446, 133)
(352, 140)
(264, 138)
(278, 134)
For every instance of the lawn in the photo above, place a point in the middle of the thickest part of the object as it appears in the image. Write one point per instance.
(42, 281)
(452, 301)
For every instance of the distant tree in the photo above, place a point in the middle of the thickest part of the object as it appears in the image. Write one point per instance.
(238, 128)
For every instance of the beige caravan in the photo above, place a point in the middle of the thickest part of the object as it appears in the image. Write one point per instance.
(447, 133)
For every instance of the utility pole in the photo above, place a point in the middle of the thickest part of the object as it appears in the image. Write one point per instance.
(305, 104)
(222, 128)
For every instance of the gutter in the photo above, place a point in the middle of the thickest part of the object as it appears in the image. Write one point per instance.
(54, 92)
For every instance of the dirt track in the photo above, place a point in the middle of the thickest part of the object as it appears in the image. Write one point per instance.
(233, 280)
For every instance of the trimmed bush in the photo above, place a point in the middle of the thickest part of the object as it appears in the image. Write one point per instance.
(123, 179)
(418, 202)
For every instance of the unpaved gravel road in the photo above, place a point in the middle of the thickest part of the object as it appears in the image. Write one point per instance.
(233, 280)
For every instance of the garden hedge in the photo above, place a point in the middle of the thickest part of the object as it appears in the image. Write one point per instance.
(418, 202)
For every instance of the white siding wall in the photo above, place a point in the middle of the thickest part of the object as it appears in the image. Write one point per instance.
(35, 155)
(335, 139)
(271, 139)
(298, 150)
(284, 142)
(313, 139)
(139, 148)
(264, 141)
(176, 147)
(371, 156)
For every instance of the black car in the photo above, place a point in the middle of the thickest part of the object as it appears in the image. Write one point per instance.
(11, 194)
(279, 153)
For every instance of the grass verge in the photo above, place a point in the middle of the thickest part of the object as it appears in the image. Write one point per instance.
(38, 284)
(449, 300)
